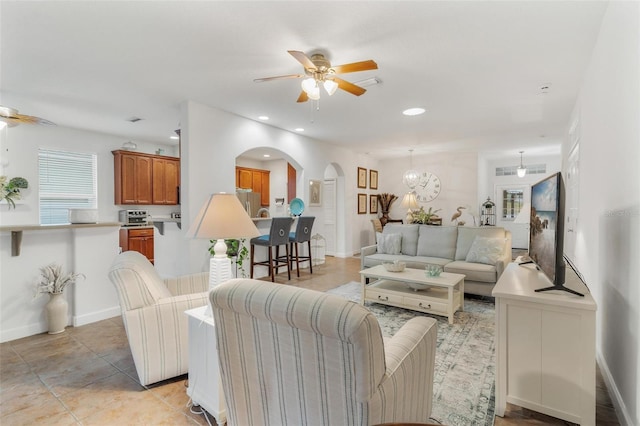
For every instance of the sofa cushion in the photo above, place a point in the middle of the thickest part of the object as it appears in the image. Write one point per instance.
(466, 235)
(437, 241)
(486, 250)
(389, 243)
(409, 236)
(473, 271)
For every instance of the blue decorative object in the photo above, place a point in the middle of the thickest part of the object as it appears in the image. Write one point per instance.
(296, 206)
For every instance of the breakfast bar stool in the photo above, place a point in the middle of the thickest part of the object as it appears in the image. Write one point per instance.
(302, 235)
(278, 236)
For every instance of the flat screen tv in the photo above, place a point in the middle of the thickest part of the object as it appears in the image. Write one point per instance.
(546, 231)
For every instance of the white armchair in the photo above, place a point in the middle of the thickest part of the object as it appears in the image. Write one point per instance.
(153, 314)
(291, 356)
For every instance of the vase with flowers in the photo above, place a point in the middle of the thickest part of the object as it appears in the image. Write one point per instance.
(385, 200)
(53, 281)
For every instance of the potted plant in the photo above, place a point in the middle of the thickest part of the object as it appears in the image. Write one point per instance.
(10, 190)
(53, 281)
(236, 251)
(423, 217)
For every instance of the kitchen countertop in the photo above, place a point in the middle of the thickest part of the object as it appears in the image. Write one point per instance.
(16, 231)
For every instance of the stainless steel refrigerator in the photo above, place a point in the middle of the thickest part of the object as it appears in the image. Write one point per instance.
(250, 201)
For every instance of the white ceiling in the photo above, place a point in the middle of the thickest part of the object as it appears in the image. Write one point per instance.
(477, 67)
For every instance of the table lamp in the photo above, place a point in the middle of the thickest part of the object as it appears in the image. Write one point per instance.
(222, 216)
(410, 202)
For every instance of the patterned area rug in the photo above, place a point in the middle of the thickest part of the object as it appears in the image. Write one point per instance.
(464, 384)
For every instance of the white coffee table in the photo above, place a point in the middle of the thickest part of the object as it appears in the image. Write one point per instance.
(205, 388)
(443, 295)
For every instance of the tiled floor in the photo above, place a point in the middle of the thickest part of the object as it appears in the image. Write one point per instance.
(86, 375)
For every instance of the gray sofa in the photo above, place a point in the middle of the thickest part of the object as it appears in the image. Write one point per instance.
(476, 252)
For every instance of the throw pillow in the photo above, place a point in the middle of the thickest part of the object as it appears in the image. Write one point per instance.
(389, 243)
(486, 250)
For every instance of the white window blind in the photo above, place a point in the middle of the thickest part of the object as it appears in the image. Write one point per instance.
(68, 180)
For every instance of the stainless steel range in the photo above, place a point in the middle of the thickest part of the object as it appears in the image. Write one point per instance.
(134, 217)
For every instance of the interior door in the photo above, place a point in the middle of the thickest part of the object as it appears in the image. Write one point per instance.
(330, 216)
(509, 201)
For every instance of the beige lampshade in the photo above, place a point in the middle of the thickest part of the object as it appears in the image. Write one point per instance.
(222, 216)
(409, 201)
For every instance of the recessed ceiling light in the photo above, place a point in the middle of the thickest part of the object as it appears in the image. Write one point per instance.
(174, 137)
(266, 155)
(414, 111)
(263, 118)
(299, 129)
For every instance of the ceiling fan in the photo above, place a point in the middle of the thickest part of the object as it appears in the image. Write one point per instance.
(319, 72)
(12, 118)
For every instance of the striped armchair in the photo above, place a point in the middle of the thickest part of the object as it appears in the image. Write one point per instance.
(153, 314)
(290, 356)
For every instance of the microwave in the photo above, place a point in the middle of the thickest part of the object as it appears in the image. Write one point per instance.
(134, 217)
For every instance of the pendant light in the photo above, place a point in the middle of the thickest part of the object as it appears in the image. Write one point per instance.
(522, 170)
(411, 177)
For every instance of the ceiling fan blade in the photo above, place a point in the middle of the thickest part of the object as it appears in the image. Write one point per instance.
(303, 59)
(355, 67)
(303, 97)
(12, 118)
(349, 87)
(278, 77)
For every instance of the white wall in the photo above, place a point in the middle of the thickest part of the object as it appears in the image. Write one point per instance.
(489, 184)
(458, 175)
(608, 229)
(89, 251)
(211, 141)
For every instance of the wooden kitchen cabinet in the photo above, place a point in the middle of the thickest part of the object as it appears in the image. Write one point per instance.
(255, 179)
(132, 175)
(166, 180)
(145, 178)
(138, 239)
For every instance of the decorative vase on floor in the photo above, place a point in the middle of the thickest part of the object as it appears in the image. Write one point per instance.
(57, 309)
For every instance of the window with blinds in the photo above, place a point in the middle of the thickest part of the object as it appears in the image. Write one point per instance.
(68, 180)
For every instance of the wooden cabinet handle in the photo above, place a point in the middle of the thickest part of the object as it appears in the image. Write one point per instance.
(425, 307)
(386, 298)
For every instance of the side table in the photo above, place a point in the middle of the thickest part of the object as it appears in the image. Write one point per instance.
(205, 387)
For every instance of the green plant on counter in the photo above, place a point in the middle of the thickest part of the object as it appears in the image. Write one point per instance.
(236, 251)
(10, 190)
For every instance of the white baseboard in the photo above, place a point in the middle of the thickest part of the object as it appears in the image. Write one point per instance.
(621, 409)
(79, 320)
(20, 332)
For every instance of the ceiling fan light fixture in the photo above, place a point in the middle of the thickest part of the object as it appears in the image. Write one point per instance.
(309, 85)
(330, 86)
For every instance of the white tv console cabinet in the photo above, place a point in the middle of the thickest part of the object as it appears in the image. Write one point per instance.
(545, 346)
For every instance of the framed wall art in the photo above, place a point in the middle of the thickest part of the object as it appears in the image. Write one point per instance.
(315, 192)
(373, 204)
(362, 203)
(373, 179)
(362, 178)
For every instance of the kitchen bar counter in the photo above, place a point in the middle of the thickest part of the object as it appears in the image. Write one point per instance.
(16, 231)
(159, 222)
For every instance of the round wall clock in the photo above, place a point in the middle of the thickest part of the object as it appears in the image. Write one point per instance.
(428, 188)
